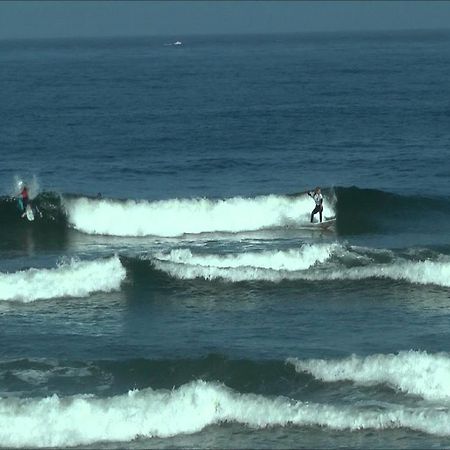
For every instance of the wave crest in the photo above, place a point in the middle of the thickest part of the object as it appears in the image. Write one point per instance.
(267, 265)
(170, 218)
(412, 372)
(73, 279)
(315, 262)
(86, 419)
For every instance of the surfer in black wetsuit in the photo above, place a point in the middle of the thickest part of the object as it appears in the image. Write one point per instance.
(318, 199)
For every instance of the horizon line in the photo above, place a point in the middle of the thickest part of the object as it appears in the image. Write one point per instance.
(223, 34)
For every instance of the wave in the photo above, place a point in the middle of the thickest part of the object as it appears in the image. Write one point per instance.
(86, 419)
(36, 376)
(290, 260)
(312, 262)
(73, 279)
(423, 272)
(250, 266)
(412, 372)
(369, 210)
(357, 211)
(177, 217)
(354, 199)
(48, 203)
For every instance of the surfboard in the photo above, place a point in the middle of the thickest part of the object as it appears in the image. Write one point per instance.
(29, 213)
(327, 224)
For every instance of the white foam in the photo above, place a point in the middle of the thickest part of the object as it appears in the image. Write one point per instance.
(267, 265)
(74, 279)
(303, 264)
(41, 376)
(418, 272)
(85, 419)
(176, 217)
(413, 372)
(292, 259)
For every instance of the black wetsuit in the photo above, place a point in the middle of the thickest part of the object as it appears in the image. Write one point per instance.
(319, 205)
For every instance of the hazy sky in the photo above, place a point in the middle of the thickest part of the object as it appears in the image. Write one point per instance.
(180, 18)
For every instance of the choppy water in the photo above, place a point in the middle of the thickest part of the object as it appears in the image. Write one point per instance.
(173, 295)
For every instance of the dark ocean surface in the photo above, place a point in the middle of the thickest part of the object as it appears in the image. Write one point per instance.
(172, 292)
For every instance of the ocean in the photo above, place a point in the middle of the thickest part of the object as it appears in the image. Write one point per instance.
(171, 292)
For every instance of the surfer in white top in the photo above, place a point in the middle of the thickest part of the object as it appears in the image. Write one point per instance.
(318, 199)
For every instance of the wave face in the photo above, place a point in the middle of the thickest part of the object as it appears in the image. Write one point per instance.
(357, 211)
(73, 279)
(313, 262)
(416, 373)
(48, 203)
(86, 419)
(186, 216)
(368, 210)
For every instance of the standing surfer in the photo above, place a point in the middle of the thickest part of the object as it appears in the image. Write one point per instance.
(318, 199)
(23, 198)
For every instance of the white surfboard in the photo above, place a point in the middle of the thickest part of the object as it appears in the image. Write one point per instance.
(29, 213)
(325, 225)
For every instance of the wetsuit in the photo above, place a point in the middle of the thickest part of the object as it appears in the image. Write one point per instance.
(24, 199)
(317, 197)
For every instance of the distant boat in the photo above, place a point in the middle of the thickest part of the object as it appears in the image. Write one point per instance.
(177, 43)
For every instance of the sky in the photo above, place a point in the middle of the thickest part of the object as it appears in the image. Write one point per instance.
(47, 19)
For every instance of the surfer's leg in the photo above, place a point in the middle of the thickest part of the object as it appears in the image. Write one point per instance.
(314, 211)
(320, 212)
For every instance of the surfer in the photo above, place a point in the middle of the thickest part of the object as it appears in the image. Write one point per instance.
(24, 198)
(318, 199)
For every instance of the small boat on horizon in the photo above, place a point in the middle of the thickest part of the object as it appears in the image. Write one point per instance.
(176, 43)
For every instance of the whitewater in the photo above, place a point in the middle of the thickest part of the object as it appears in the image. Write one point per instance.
(312, 262)
(85, 419)
(413, 372)
(69, 279)
(176, 217)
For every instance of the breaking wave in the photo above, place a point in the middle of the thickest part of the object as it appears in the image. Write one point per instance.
(313, 262)
(73, 279)
(86, 419)
(422, 272)
(177, 217)
(375, 211)
(412, 372)
(289, 260)
(264, 266)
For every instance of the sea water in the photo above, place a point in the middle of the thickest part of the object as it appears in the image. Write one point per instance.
(173, 294)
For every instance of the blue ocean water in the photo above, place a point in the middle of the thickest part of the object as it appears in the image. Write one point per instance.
(172, 293)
